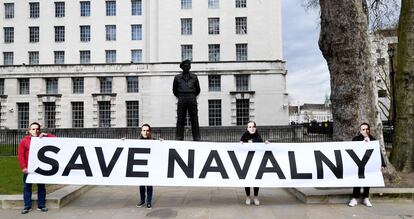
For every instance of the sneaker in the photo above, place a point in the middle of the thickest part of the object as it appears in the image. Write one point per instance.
(149, 206)
(42, 209)
(140, 204)
(353, 202)
(26, 210)
(256, 201)
(366, 202)
(248, 201)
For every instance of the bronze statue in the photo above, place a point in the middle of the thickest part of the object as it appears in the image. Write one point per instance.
(186, 88)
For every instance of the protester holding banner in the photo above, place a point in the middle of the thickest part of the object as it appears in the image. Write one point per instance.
(364, 135)
(251, 136)
(23, 157)
(147, 135)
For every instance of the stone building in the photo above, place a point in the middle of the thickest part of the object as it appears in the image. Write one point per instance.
(81, 64)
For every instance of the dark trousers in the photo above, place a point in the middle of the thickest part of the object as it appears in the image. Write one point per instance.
(255, 191)
(357, 192)
(187, 103)
(27, 194)
(142, 193)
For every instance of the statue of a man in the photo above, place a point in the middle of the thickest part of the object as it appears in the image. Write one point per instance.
(186, 88)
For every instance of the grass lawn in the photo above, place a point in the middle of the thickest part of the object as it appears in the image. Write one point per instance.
(11, 178)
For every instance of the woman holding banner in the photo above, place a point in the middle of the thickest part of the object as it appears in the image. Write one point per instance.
(251, 136)
(364, 135)
(146, 134)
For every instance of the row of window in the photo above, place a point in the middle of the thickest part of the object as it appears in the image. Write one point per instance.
(110, 7)
(132, 113)
(136, 55)
(132, 84)
(85, 9)
(213, 4)
(84, 57)
(214, 26)
(84, 33)
(136, 30)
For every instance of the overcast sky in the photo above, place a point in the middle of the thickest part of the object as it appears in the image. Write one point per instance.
(308, 75)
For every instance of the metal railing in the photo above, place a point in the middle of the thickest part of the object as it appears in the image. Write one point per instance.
(9, 139)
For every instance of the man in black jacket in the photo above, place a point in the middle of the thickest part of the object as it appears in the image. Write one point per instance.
(364, 135)
(186, 88)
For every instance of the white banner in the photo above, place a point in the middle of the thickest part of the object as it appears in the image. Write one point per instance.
(184, 163)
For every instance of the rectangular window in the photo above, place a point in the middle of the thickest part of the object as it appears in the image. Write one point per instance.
(59, 33)
(110, 32)
(1, 86)
(186, 4)
(24, 86)
(110, 56)
(214, 83)
(104, 113)
(77, 85)
(214, 26)
(59, 57)
(85, 56)
(51, 85)
(34, 34)
(34, 9)
(186, 52)
(59, 9)
(212, 4)
(132, 111)
(22, 115)
(8, 10)
(242, 82)
(49, 114)
(241, 52)
(136, 55)
(85, 8)
(110, 8)
(136, 32)
(8, 58)
(241, 25)
(214, 52)
(85, 33)
(77, 115)
(136, 7)
(214, 112)
(34, 58)
(105, 85)
(241, 3)
(132, 84)
(8, 34)
(186, 26)
(242, 111)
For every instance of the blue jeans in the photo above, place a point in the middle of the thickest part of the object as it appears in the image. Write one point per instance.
(142, 193)
(27, 194)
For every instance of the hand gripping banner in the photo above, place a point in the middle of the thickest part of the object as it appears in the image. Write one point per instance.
(184, 163)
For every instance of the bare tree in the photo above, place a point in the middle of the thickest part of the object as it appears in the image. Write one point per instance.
(402, 155)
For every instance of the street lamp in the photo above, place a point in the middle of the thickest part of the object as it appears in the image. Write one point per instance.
(391, 54)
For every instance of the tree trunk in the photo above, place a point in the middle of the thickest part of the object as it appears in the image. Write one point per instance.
(402, 155)
(344, 44)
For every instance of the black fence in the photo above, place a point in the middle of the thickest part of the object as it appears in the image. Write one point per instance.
(9, 139)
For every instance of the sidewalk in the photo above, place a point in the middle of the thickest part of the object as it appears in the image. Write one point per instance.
(102, 202)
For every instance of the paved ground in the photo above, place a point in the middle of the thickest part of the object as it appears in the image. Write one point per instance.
(103, 202)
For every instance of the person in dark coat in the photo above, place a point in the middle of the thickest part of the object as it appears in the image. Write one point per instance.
(364, 135)
(251, 136)
(146, 134)
(186, 88)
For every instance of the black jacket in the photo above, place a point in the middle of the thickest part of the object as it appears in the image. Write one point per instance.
(185, 85)
(360, 137)
(254, 137)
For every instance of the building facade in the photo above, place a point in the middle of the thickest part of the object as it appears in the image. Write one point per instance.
(79, 64)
